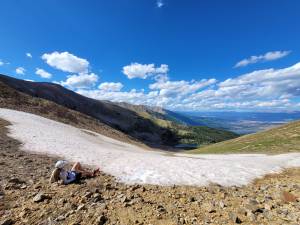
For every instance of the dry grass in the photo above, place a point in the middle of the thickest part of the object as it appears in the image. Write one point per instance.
(282, 139)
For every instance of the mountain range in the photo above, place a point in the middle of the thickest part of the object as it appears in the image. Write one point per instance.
(152, 126)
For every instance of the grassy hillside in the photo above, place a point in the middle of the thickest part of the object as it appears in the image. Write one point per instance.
(282, 139)
(195, 135)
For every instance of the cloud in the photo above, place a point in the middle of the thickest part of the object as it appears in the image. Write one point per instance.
(42, 73)
(110, 86)
(166, 93)
(160, 3)
(268, 89)
(80, 81)
(66, 62)
(2, 63)
(143, 71)
(180, 88)
(133, 96)
(28, 55)
(269, 56)
(20, 70)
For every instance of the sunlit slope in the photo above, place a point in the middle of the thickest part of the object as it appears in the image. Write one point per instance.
(282, 139)
(189, 135)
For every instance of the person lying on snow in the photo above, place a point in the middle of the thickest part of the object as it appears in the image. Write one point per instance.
(70, 176)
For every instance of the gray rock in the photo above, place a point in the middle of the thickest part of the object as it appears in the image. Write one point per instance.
(124, 199)
(60, 218)
(6, 222)
(88, 195)
(97, 197)
(69, 213)
(101, 220)
(16, 180)
(235, 218)
(222, 204)
(161, 209)
(81, 207)
(40, 197)
(192, 199)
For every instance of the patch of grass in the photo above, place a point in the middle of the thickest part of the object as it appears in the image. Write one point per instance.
(282, 139)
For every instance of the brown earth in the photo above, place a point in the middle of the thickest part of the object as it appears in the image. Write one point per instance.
(26, 197)
(12, 99)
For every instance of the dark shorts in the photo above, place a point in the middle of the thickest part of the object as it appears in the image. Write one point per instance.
(77, 176)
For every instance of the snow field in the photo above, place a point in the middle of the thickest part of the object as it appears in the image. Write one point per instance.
(132, 164)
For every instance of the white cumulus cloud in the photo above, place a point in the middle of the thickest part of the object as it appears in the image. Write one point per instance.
(66, 62)
(268, 89)
(269, 56)
(42, 73)
(110, 86)
(20, 70)
(81, 81)
(2, 62)
(28, 55)
(137, 70)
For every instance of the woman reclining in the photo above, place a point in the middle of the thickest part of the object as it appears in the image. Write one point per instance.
(70, 176)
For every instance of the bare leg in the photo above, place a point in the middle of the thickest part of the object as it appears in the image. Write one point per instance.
(78, 168)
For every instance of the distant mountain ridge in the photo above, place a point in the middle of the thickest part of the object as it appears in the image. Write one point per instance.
(111, 114)
(154, 126)
(160, 113)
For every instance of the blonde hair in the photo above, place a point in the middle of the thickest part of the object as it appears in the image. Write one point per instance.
(55, 175)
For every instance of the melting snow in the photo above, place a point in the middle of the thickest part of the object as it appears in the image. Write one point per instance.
(132, 164)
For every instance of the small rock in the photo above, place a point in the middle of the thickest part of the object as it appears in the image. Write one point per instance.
(126, 204)
(24, 186)
(101, 220)
(62, 201)
(258, 210)
(80, 207)
(69, 213)
(288, 197)
(60, 218)
(6, 222)
(235, 218)
(252, 202)
(97, 197)
(124, 199)
(161, 209)
(268, 207)
(192, 199)
(16, 180)
(88, 195)
(222, 204)
(40, 197)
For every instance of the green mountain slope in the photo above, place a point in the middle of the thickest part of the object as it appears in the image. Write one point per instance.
(187, 136)
(282, 139)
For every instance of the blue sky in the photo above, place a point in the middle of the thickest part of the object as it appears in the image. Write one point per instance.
(170, 53)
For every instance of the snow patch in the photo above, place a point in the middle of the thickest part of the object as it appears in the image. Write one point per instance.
(132, 164)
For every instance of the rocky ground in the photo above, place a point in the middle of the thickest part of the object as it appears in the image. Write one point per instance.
(26, 197)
